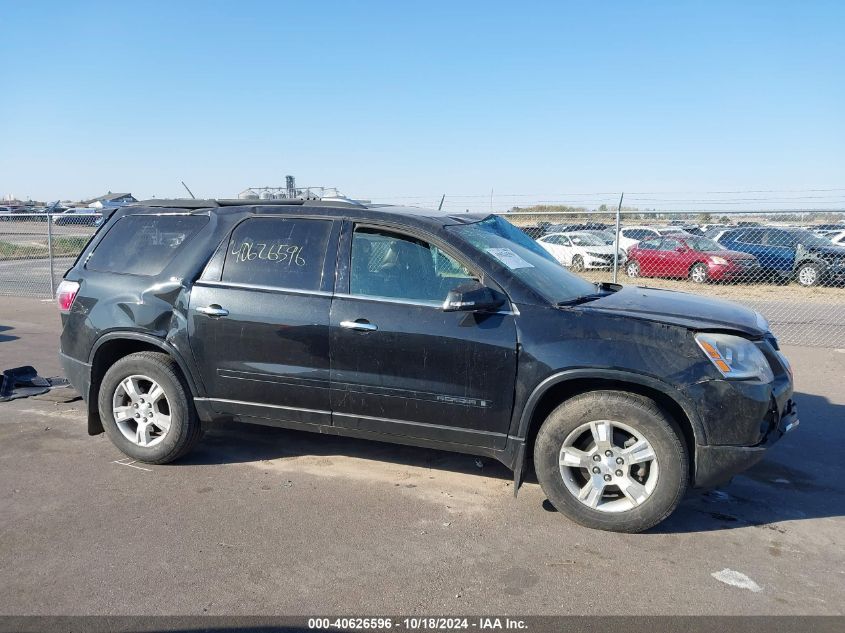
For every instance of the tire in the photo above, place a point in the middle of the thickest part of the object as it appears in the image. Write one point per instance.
(809, 274)
(577, 263)
(144, 370)
(655, 485)
(698, 273)
(632, 269)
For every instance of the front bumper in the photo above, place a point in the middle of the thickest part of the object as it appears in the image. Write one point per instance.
(715, 465)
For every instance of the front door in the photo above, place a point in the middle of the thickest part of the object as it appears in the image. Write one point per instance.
(401, 365)
(259, 329)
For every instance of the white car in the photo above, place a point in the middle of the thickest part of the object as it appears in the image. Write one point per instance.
(631, 235)
(837, 237)
(580, 250)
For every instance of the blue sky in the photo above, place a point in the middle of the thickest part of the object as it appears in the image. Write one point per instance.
(388, 100)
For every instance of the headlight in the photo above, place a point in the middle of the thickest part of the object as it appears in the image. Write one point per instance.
(734, 356)
(719, 261)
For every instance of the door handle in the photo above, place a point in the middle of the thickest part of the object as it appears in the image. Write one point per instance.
(213, 310)
(361, 326)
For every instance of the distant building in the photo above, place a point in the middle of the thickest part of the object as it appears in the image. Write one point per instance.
(110, 200)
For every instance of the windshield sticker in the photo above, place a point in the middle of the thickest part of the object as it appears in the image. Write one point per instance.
(509, 258)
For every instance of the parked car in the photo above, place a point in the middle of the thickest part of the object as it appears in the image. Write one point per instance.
(584, 226)
(837, 237)
(78, 216)
(533, 230)
(631, 235)
(608, 236)
(698, 258)
(580, 250)
(5, 214)
(418, 327)
(786, 254)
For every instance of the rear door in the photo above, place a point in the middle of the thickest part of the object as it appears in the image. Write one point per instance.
(259, 324)
(400, 365)
(780, 247)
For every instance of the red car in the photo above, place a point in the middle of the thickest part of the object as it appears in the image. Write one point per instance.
(699, 258)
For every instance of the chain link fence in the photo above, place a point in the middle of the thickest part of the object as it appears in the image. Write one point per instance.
(37, 248)
(794, 275)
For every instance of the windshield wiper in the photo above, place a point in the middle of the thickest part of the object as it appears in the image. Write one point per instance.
(582, 299)
(604, 289)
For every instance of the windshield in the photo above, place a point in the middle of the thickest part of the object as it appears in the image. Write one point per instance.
(524, 258)
(606, 236)
(704, 244)
(585, 239)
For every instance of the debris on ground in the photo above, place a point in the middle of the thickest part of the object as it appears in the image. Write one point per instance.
(24, 382)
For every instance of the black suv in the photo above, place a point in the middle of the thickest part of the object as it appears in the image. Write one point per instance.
(455, 332)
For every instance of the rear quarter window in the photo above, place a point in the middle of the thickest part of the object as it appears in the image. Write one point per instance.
(143, 244)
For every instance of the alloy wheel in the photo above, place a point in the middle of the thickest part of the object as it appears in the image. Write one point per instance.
(141, 410)
(608, 466)
(808, 276)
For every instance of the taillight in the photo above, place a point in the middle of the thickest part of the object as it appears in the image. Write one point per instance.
(65, 294)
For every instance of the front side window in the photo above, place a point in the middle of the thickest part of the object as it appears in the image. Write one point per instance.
(523, 257)
(396, 266)
(649, 245)
(586, 239)
(670, 245)
(278, 252)
(143, 244)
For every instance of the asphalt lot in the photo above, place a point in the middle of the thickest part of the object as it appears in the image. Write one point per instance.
(269, 521)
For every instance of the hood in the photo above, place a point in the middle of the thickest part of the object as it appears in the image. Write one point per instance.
(833, 250)
(679, 308)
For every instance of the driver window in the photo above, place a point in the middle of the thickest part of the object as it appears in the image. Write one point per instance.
(387, 264)
(670, 245)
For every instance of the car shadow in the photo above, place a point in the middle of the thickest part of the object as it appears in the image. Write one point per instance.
(785, 486)
(788, 485)
(226, 443)
(6, 337)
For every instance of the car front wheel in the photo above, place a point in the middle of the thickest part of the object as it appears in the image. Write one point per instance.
(611, 460)
(699, 273)
(809, 275)
(633, 269)
(146, 409)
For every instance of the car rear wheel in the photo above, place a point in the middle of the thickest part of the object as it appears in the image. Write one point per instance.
(577, 263)
(699, 273)
(809, 274)
(611, 460)
(146, 409)
(633, 268)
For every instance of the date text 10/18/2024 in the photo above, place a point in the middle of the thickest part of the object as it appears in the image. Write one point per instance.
(418, 624)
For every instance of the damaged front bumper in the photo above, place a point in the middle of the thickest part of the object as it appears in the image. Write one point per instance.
(715, 465)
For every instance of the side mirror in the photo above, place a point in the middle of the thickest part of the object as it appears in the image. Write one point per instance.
(472, 297)
(681, 249)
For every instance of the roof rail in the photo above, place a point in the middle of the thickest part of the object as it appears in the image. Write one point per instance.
(185, 203)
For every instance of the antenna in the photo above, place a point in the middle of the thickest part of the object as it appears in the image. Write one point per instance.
(440, 206)
(188, 190)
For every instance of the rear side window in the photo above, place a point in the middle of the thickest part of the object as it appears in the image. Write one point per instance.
(143, 244)
(278, 252)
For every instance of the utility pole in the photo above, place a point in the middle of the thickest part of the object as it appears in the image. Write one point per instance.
(616, 241)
